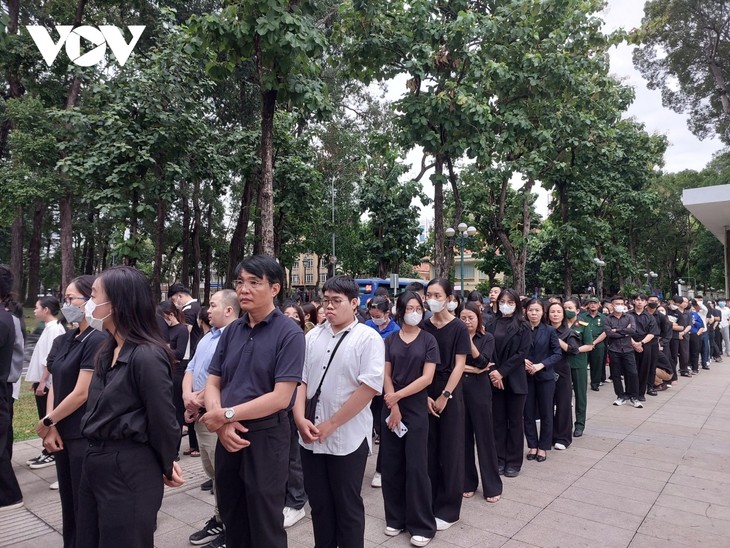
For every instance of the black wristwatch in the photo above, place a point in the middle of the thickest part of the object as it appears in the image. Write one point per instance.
(446, 394)
(47, 421)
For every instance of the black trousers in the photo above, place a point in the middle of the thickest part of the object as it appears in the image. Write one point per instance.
(695, 349)
(446, 453)
(563, 419)
(624, 364)
(539, 405)
(406, 485)
(251, 484)
(376, 406)
(119, 496)
(69, 464)
(296, 497)
(9, 488)
(684, 360)
(40, 401)
(479, 431)
(333, 484)
(646, 366)
(178, 373)
(674, 356)
(508, 416)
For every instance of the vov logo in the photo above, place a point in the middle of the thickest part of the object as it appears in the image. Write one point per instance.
(105, 35)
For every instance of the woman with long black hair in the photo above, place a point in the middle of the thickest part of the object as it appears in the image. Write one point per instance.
(569, 343)
(130, 419)
(446, 405)
(509, 381)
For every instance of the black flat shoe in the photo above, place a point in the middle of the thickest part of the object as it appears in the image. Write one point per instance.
(578, 432)
(500, 469)
(512, 472)
(531, 456)
(541, 458)
(594, 388)
(686, 374)
(651, 393)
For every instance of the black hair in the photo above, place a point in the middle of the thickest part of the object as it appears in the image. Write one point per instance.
(475, 296)
(51, 303)
(547, 314)
(443, 283)
(83, 284)
(641, 296)
(618, 298)
(133, 309)
(402, 302)
(262, 266)
(517, 316)
(298, 309)
(381, 292)
(472, 306)
(380, 303)
(677, 299)
(573, 300)
(176, 288)
(229, 298)
(343, 285)
(529, 302)
(203, 316)
(6, 286)
(167, 307)
(310, 312)
(415, 286)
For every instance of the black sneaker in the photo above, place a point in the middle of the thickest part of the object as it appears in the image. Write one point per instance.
(219, 542)
(207, 485)
(211, 532)
(42, 461)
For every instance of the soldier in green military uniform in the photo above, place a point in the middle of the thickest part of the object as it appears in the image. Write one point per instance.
(579, 363)
(597, 356)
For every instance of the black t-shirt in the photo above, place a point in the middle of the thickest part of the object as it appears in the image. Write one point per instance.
(453, 339)
(70, 354)
(177, 336)
(191, 311)
(407, 359)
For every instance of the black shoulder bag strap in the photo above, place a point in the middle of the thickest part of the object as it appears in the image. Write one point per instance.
(319, 388)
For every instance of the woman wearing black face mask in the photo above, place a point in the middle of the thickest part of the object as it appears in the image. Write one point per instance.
(71, 364)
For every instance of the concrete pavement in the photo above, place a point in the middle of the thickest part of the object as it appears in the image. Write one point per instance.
(657, 476)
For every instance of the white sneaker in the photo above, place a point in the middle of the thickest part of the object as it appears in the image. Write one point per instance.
(442, 525)
(560, 447)
(54, 486)
(636, 403)
(292, 515)
(392, 531)
(619, 401)
(418, 540)
(377, 480)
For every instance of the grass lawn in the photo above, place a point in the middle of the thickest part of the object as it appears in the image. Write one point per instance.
(25, 414)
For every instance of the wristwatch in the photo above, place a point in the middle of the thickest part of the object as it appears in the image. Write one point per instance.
(446, 394)
(229, 414)
(47, 421)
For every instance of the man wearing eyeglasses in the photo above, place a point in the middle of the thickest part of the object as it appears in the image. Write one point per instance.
(346, 359)
(251, 383)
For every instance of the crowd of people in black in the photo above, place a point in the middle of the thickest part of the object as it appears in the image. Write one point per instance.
(284, 404)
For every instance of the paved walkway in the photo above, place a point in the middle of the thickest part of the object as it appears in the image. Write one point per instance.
(648, 477)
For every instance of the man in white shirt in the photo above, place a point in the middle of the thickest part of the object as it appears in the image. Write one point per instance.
(725, 324)
(336, 444)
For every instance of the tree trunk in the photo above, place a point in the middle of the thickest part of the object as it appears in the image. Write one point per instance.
(34, 254)
(439, 261)
(208, 252)
(16, 253)
(159, 246)
(266, 192)
(91, 244)
(237, 248)
(562, 187)
(185, 259)
(196, 240)
(15, 87)
(67, 257)
(458, 214)
(131, 258)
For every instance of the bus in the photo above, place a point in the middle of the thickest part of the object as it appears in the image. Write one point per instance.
(368, 286)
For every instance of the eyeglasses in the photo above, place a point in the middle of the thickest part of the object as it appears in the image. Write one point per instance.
(251, 284)
(334, 302)
(412, 309)
(68, 299)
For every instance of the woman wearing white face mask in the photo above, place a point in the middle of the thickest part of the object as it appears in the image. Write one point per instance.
(379, 309)
(446, 405)
(410, 361)
(71, 364)
(509, 381)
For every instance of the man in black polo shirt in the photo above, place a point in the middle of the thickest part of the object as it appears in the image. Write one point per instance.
(252, 377)
(620, 328)
(646, 345)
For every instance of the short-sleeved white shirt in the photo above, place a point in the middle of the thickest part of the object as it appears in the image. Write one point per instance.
(360, 359)
(725, 316)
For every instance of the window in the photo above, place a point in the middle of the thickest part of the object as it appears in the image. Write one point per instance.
(296, 264)
(295, 279)
(322, 277)
(308, 279)
(308, 263)
(322, 263)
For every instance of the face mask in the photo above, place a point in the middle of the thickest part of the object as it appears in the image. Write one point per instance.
(392, 310)
(413, 318)
(620, 309)
(721, 304)
(73, 314)
(653, 306)
(435, 306)
(451, 306)
(507, 309)
(570, 314)
(95, 323)
(673, 307)
(379, 321)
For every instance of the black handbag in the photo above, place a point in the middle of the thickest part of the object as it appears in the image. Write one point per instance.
(310, 406)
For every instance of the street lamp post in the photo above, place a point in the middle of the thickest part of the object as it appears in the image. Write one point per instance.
(649, 275)
(599, 265)
(464, 232)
